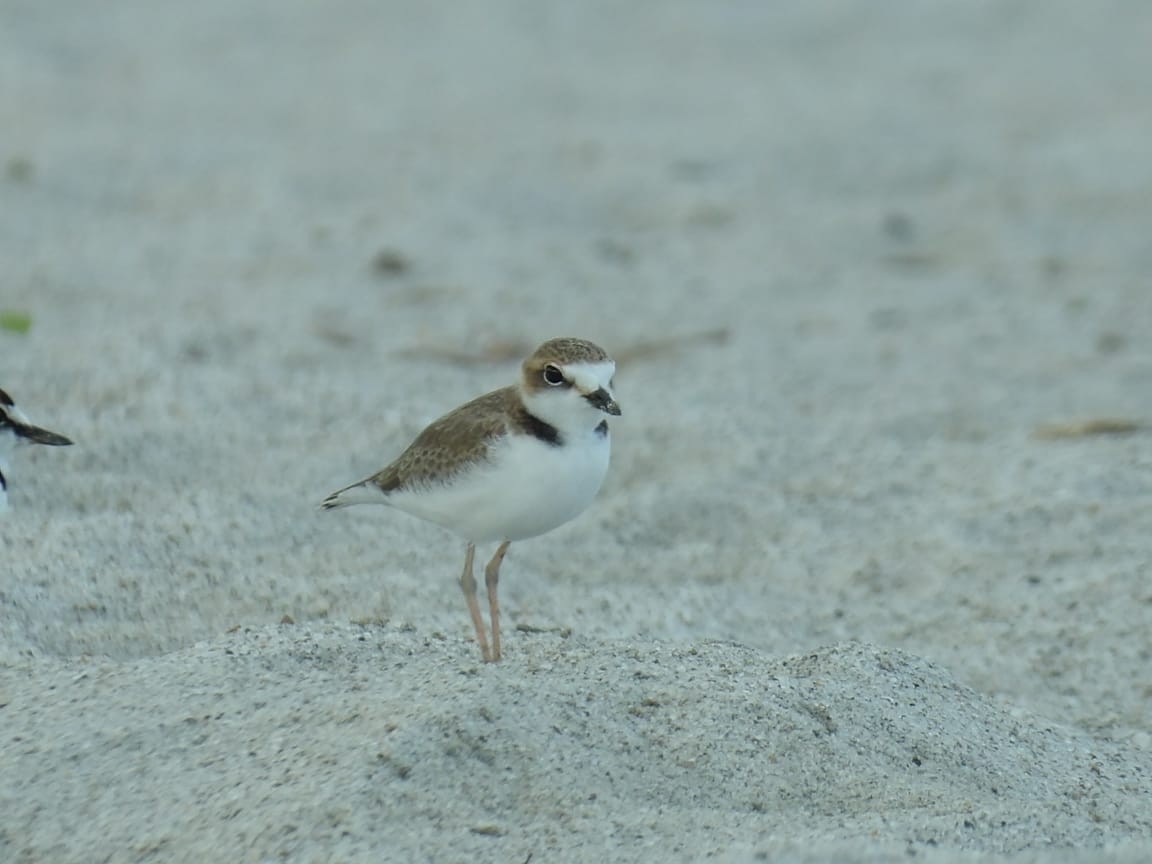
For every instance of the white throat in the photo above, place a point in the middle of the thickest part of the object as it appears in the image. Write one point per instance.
(565, 408)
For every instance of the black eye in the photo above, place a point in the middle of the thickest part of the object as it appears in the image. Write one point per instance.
(553, 375)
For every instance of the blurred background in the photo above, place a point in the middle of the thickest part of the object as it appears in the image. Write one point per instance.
(876, 276)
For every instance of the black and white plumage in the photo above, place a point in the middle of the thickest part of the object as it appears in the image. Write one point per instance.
(16, 428)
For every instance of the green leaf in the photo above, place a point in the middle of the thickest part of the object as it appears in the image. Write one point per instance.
(16, 321)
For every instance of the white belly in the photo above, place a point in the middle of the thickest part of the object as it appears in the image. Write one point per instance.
(4, 448)
(528, 488)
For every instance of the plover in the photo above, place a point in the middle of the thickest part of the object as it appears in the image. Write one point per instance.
(510, 465)
(14, 428)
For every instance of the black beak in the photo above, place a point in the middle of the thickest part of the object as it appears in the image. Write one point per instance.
(603, 400)
(40, 436)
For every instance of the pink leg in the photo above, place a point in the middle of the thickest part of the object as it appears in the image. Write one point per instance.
(491, 580)
(468, 584)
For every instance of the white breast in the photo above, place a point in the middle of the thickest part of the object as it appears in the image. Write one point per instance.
(527, 488)
(7, 441)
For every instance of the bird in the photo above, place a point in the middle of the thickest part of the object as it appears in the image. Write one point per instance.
(507, 466)
(15, 427)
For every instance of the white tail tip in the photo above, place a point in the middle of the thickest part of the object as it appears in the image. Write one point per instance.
(365, 492)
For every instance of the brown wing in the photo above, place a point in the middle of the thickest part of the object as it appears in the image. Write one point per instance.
(451, 443)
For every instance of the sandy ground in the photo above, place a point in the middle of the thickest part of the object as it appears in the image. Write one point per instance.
(865, 580)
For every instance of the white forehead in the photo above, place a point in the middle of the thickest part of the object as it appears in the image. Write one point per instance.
(589, 377)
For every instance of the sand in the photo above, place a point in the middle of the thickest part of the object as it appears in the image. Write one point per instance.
(869, 578)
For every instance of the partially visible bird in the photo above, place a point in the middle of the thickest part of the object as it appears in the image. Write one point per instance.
(15, 427)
